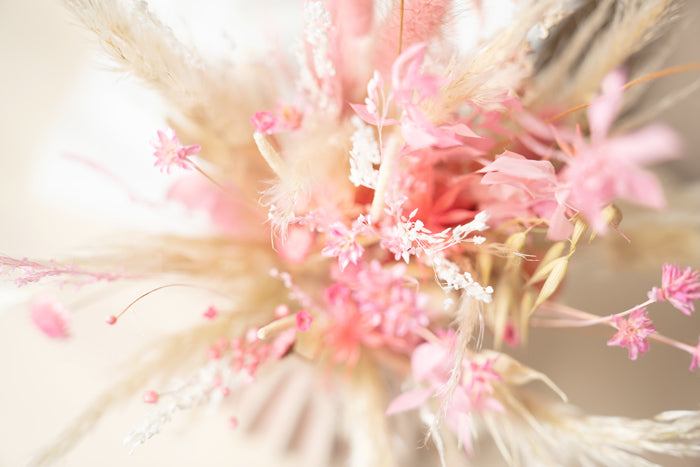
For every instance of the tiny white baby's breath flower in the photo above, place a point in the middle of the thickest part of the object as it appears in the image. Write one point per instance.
(363, 155)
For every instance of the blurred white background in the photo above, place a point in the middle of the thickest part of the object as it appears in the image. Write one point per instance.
(57, 98)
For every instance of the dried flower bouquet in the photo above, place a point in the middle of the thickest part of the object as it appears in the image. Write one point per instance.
(396, 209)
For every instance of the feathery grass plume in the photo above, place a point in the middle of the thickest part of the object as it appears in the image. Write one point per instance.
(212, 107)
(598, 37)
(498, 66)
(567, 437)
(367, 236)
(409, 22)
(162, 359)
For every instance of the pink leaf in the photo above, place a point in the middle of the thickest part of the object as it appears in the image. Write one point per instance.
(517, 166)
(372, 119)
(653, 143)
(408, 400)
(426, 358)
(602, 111)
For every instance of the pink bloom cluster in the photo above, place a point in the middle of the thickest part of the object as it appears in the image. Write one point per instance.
(678, 287)
(342, 244)
(373, 306)
(248, 354)
(595, 173)
(632, 333)
(284, 118)
(31, 272)
(169, 152)
(451, 187)
(432, 365)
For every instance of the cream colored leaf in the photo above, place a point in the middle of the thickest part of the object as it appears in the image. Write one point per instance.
(515, 373)
(546, 265)
(552, 283)
(580, 227)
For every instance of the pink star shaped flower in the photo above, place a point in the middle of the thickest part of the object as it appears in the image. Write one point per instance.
(342, 242)
(680, 288)
(632, 333)
(170, 152)
(611, 167)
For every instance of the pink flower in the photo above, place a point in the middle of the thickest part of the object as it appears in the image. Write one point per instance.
(211, 312)
(696, 357)
(431, 364)
(171, 153)
(407, 80)
(610, 168)
(50, 316)
(290, 117)
(374, 86)
(296, 246)
(304, 320)
(680, 288)
(264, 122)
(373, 307)
(632, 333)
(341, 243)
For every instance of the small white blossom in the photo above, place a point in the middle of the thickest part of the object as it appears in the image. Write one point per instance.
(314, 82)
(452, 278)
(363, 155)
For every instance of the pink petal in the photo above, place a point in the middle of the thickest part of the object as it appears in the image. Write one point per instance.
(408, 401)
(643, 188)
(225, 212)
(653, 143)
(425, 358)
(372, 119)
(518, 166)
(50, 316)
(414, 53)
(603, 111)
(559, 226)
(296, 245)
(419, 133)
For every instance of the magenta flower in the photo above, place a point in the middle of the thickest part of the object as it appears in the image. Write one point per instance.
(171, 153)
(680, 288)
(632, 333)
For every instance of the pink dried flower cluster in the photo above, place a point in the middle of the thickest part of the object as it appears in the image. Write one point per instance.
(632, 332)
(30, 272)
(169, 152)
(414, 205)
(679, 288)
(247, 355)
(431, 364)
(286, 117)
